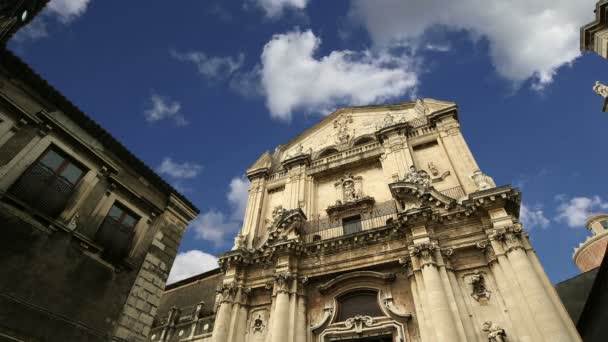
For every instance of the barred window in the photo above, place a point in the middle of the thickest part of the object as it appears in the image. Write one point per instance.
(116, 232)
(352, 224)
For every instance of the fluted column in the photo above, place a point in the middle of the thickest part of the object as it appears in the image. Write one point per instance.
(458, 152)
(255, 200)
(438, 306)
(457, 294)
(239, 315)
(397, 157)
(544, 313)
(300, 324)
(417, 296)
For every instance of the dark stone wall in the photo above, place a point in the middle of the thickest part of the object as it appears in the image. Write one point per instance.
(15, 144)
(50, 290)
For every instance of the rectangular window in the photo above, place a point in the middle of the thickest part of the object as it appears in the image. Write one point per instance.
(604, 224)
(49, 182)
(116, 232)
(352, 224)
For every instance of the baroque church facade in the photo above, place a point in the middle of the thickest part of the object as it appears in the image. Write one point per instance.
(374, 225)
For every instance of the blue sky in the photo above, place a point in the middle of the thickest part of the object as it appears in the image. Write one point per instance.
(200, 89)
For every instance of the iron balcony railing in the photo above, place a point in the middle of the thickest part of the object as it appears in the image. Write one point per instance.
(328, 228)
(43, 190)
(115, 238)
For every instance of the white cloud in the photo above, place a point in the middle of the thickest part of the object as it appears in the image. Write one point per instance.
(527, 39)
(275, 8)
(576, 210)
(237, 196)
(161, 107)
(292, 78)
(533, 217)
(68, 10)
(217, 227)
(179, 170)
(63, 11)
(209, 66)
(191, 263)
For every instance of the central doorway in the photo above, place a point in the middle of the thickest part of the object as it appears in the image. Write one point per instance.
(383, 338)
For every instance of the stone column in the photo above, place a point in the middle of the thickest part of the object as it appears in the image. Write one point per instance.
(238, 323)
(544, 313)
(221, 329)
(417, 296)
(464, 316)
(397, 157)
(425, 254)
(251, 220)
(280, 325)
(300, 324)
(458, 152)
(497, 263)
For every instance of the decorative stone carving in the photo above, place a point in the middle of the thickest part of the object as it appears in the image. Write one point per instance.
(358, 322)
(421, 107)
(258, 325)
(417, 177)
(73, 224)
(426, 252)
(482, 180)
(277, 213)
(350, 187)
(239, 241)
(479, 286)
(344, 134)
(433, 169)
(600, 89)
(199, 307)
(495, 332)
(282, 281)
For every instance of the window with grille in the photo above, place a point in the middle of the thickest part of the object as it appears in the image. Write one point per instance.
(364, 302)
(351, 224)
(49, 182)
(116, 232)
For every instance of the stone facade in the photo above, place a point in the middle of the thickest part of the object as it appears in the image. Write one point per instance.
(89, 232)
(378, 222)
(15, 14)
(589, 254)
(594, 37)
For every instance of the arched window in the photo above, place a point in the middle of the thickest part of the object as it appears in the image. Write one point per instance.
(327, 152)
(363, 140)
(364, 302)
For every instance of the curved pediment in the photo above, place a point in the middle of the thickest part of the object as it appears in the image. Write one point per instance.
(286, 226)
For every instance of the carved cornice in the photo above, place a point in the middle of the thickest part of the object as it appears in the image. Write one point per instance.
(362, 204)
(425, 195)
(399, 128)
(301, 159)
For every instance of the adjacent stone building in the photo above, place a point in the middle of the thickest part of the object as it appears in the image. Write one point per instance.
(89, 232)
(374, 225)
(590, 253)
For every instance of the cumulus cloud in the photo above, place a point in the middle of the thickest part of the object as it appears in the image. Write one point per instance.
(532, 217)
(179, 170)
(211, 66)
(67, 10)
(218, 227)
(162, 107)
(293, 78)
(62, 11)
(275, 8)
(191, 263)
(575, 211)
(527, 39)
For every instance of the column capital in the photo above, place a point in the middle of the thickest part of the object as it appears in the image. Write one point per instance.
(510, 237)
(425, 253)
(282, 281)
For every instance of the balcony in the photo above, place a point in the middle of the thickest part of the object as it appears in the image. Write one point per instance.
(115, 239)
(329, 228)
(43, 190)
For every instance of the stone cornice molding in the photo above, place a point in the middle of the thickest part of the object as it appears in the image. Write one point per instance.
(378, 277)
(301, 159)
(426, 195)
(493, 198)
(399, 128)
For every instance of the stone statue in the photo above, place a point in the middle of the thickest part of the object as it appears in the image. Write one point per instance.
(433, 169)
(479, 286)
(277, 212)
(482, 180)
(600, 89)
(417, 177)
(349, 191)
(495, 332)
(344, 134)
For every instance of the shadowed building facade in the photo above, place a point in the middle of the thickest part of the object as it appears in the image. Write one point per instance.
(89, 232)
(376, 225)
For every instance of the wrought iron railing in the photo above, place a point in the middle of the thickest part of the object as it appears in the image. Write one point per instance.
(115, 239)
(43, 190)
(328, 228)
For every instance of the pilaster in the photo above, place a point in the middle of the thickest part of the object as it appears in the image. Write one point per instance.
(397, 157)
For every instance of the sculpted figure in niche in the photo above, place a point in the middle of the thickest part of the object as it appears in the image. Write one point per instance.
(495, 332)
(350, 192)
(479, 286)
(344, 134)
